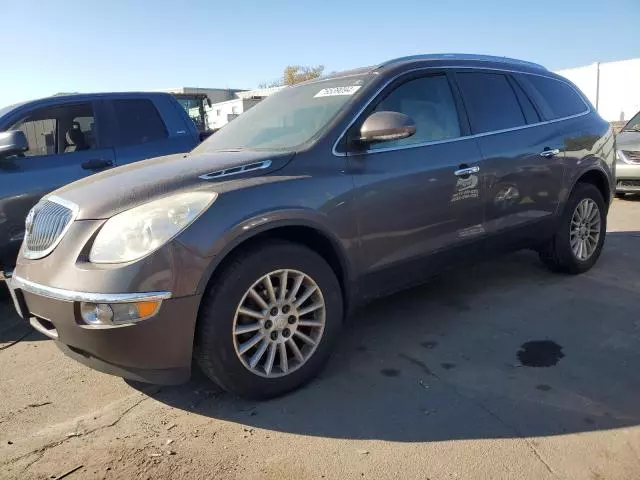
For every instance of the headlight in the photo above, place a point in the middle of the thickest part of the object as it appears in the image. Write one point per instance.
(137, 232)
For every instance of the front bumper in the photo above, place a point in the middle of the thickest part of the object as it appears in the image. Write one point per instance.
(627, 178)
(156, 350)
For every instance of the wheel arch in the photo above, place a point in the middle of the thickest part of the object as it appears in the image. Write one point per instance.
(310, 233)
(598, 178)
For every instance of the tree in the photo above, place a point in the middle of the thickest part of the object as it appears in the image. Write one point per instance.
(293, 74)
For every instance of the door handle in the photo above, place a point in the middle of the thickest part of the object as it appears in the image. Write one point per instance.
(96, 163)
(549, 152)
(466, 171)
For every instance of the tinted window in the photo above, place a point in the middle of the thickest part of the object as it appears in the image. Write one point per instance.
(530, 113)
(557, 99)
(429, 102)
(59, 129)
(490, 101)
(138, 122)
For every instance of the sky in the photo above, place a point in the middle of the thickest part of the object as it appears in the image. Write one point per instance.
(119, 45)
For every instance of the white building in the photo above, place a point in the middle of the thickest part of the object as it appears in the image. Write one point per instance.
(221, 113)
(613, 87)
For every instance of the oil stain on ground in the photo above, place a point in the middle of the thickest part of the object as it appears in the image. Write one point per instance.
(540, 353)
(390, 372)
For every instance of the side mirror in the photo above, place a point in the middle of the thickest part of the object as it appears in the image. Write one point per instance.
(12, 143)
(386, 126)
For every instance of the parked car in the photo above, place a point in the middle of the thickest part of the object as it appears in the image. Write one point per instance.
(65, 138)
(628, 156)
(248, 252)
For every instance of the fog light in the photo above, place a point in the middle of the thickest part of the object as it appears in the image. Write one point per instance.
(118, 313)
(96, 313)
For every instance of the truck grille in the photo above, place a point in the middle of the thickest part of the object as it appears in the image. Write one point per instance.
(631, 156)
(46, 224)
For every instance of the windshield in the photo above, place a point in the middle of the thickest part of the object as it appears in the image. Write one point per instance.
(633, 125)
(286, 119)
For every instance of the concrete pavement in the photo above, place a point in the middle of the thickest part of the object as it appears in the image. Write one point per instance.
(425, 384)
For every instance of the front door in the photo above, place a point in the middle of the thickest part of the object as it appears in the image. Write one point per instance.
(64, 146)
(417, 207)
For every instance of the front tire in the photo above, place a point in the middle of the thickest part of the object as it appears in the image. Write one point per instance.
(577, 244)
(259, 340)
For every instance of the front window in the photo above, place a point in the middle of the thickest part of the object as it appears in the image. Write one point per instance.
(633, 125)
(287, 119)
(58, 130)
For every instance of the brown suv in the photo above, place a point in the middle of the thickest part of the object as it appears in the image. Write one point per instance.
(248, 252)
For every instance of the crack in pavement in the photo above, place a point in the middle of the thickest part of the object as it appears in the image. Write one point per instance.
(483, 407)
(43, 449)
(18, 340)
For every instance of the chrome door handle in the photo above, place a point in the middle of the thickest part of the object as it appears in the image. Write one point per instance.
(466, 171)
(550, 153)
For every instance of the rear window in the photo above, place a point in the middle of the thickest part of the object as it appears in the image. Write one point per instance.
(555, 98)
(138, 122)
(490, 101)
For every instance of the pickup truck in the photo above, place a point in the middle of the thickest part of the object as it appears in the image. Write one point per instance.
(47, 143)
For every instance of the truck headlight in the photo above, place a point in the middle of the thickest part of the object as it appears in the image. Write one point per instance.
(132, 234)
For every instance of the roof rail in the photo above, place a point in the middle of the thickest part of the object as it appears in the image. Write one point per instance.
(462, 56)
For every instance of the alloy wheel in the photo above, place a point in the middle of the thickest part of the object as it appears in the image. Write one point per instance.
(584, 232)
(279, 323)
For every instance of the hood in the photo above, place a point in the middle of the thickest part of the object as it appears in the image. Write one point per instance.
(628, 141)
(107, 193)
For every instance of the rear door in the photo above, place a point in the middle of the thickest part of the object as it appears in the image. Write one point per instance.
(522, 168)
(140, 131)
(65, 144)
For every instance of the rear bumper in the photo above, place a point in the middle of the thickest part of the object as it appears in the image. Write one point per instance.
(155, 350)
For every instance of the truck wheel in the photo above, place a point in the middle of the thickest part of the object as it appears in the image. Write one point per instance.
(269, 321)
(577, 244)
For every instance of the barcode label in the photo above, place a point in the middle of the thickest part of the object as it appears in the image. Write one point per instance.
(334, 91)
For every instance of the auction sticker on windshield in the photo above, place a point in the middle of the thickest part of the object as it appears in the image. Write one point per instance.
(334, 91)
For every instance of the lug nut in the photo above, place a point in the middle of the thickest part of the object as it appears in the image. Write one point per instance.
(274, 335)
(286, 332)
(286, 309)
(268, 324)
(274, 311)
(291, 320)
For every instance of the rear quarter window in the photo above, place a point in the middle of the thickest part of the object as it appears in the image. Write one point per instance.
(555, 98)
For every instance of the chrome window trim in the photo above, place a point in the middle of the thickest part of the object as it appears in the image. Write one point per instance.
(90, 297)
(241, 169)
(456, 139)
(75, 209)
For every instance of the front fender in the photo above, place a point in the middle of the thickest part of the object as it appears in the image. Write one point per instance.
(226, 242)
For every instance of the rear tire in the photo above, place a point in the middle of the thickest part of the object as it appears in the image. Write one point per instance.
(281, 320)
(560, 254)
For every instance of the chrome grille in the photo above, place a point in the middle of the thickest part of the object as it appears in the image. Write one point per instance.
(46, 224)
(632, 156)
